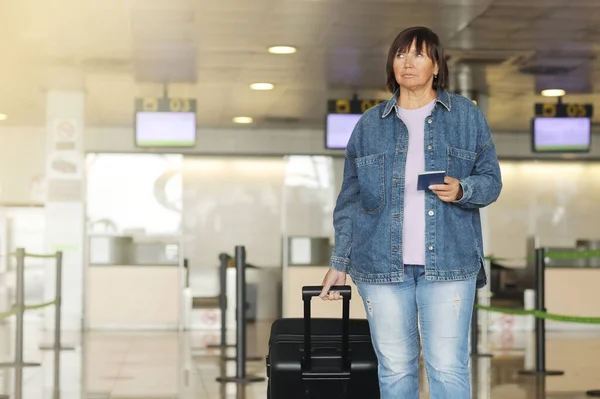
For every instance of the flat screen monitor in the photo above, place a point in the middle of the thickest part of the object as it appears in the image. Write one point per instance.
(165, 129)
(561, 134)
(338, 129)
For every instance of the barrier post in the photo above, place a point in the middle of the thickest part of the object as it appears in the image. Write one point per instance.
(20, 306)
(19, 328)
(223, 258)
(240, 267)
(57, 346)
(540, 323)
(475, 331)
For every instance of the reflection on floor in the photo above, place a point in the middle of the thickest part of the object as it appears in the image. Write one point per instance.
(169, 365)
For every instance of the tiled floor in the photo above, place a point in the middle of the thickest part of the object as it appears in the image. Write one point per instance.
(157, 365)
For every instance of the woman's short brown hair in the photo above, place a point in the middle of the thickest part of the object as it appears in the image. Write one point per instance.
(427, 41)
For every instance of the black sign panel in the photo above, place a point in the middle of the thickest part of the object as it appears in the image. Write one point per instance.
(350, 106)
(556, 110)
(162, 104)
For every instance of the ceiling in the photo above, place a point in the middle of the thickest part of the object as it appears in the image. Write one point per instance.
(117, 50)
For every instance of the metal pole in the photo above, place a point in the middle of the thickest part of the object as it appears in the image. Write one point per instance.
(57, 324)
(475, 330)
(240, 263)
(540, 323)
(20, 307)
(58, 294)
(240, 351)
(57, 345)
(474, 335)
(20, 302)
(223, 298)
(223, 259)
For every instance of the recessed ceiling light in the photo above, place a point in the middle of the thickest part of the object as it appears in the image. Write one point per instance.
(262, 86)
(243, 119)
(282, 50)
(3, 117)
(553, 93)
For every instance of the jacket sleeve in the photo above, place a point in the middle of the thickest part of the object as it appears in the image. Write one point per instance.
(483, 186)
(344, 213)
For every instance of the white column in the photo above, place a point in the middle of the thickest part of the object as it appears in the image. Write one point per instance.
(65, 201)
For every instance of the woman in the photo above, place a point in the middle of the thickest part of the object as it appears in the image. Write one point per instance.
(416, 256)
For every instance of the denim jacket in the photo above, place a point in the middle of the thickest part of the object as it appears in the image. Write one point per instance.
(368, 215)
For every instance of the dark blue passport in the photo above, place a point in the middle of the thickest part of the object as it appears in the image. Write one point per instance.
(426, 179)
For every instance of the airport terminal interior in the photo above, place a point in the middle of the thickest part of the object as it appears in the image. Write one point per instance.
(169, 170)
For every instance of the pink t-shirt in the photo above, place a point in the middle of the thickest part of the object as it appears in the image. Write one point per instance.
(413, 233)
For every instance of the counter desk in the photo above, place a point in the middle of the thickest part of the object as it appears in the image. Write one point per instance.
(133, 297)
(572, 291)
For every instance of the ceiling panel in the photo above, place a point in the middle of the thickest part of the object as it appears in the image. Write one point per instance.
(120, 49)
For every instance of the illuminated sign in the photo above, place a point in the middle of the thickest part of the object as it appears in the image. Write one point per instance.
(556, 110)
(162, 104)
(350, 106)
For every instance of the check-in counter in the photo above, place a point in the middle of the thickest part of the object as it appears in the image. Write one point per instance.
(572, 287)
(133, 297)
(572, 291)
(307, 263)
(126, 290)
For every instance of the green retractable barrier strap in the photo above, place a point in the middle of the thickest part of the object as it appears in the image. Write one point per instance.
(541, 314)
(15, 309)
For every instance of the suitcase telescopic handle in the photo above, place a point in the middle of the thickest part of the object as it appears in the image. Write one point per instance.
(308, 293)
(315, 290)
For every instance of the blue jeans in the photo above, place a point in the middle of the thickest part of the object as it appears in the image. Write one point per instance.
(442, 310)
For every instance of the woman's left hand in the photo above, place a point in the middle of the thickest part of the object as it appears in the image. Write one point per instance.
(450, 191)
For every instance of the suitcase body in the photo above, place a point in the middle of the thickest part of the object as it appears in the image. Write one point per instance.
(342, 362)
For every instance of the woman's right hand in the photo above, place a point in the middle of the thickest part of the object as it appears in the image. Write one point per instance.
(333, 277)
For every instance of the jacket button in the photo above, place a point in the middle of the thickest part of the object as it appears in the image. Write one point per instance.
(431, 213)
(429, 120)
(430, 248)
(430, 147)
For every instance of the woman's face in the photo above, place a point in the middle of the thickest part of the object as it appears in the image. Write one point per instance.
(414, 69)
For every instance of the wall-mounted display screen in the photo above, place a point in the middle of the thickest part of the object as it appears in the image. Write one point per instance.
(165, 129)
(561, 134)
(338, 129)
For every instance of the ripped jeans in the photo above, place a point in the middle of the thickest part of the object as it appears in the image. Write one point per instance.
(441, 310)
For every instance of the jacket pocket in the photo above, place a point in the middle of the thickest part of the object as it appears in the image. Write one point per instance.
(371, 171)
(460, 162)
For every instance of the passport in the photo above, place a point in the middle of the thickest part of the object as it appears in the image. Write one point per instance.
(426, 179)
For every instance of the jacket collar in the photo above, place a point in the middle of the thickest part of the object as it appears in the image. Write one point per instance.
(443, 97)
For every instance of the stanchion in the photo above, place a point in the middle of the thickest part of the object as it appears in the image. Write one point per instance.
(475, 333)
(540, 323)
(240, 267)
(540, 387)
(223, 258)
(20, 305)
(57, 346)
(56, 384)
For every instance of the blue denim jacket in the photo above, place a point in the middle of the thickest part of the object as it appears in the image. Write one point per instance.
(368, 215)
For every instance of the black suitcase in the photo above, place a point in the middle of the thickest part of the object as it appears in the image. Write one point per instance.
(341, 363)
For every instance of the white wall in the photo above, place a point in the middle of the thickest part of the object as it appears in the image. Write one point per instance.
(556, 201)
(22, 150)
(242, 141)
(245, 141)
(22, 164)
(229, 202)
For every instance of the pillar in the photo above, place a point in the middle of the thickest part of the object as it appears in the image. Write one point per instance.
(65, 201)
